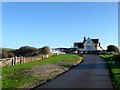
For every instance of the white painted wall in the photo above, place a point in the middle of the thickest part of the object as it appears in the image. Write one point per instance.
(89, 45)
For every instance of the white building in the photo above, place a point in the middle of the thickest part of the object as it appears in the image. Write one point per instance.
(53, 51)
(88, 45)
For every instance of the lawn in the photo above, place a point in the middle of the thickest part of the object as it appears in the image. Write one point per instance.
(33, 73)
(113, 64)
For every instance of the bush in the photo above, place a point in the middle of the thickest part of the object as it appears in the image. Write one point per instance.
(102, 53)
(112, 48)
(10, 54)
(7, 54)
(45, 50)
(119, 56)
(27, 51)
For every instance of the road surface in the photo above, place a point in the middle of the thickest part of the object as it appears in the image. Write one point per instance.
(91, 73)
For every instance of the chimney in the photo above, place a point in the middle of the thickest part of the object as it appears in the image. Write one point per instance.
(84, 39)
(99, 44)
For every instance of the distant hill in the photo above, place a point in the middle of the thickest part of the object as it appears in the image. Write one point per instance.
(7, 49)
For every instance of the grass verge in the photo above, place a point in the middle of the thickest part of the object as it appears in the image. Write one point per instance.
(30, 74)
(113, 64)
(6, 49)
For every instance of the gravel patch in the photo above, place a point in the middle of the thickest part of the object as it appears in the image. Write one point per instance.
(45, 69)
(50, 71)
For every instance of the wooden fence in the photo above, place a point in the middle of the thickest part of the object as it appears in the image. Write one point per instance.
(31, 59)
(12, 61)
(20, 60)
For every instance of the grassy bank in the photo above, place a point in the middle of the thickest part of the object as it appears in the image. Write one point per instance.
(7, 49)
(33, 73)
(113, 64)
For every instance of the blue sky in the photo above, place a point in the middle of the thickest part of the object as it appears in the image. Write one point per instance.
(58, 24)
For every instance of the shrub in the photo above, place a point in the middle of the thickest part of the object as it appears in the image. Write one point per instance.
(45, 50)
(119, 56)
(7, 54)
(102, 52)
(27, 51)
(112, 48)
(10, 54)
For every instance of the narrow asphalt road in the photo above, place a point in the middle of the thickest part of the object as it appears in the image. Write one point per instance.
(91, 73)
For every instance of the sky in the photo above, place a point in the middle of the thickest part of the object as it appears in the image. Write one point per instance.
(58, 24)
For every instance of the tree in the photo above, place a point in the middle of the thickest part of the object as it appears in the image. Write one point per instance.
(11, 54)
(7, 54)
(27, 51)
(112, 48)
(45, 50)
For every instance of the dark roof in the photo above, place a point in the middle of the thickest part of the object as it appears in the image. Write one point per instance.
(79, 44)
(95, 40)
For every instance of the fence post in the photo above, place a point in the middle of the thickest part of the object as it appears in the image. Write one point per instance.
(10, 63)
(23, 59)
(20, 59)
(13, 60)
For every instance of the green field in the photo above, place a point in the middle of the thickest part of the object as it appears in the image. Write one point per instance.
(7, 49)
(114, 67)
(18, 76)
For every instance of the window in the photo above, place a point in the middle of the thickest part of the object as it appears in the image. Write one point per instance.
(76, 44)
